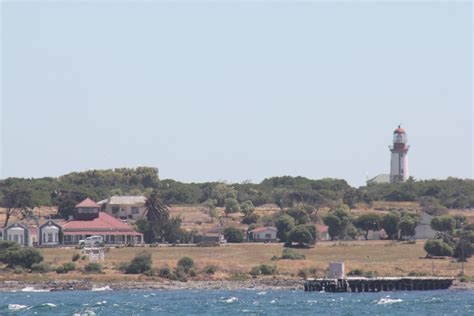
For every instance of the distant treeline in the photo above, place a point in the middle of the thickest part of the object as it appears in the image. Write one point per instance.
(284, 191)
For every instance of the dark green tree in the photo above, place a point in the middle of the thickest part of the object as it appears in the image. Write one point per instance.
(16, 201)
(301, 235)
(284, 223)
(391, 224)
(367, 222)
(445, 223)
(233, 235)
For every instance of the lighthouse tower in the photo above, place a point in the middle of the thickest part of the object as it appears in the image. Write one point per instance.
(399, 161)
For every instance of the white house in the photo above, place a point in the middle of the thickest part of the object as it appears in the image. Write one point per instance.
(125, 207)
(264, 234)
(48, 233)
(19, 233)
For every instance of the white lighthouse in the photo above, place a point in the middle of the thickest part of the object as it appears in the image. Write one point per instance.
(399, 161)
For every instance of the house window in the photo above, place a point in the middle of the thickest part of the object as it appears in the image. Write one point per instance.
(135, 210)
(50, 237)
(268, 235)
(115, 209)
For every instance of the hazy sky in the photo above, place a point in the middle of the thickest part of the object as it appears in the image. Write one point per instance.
(236, 91)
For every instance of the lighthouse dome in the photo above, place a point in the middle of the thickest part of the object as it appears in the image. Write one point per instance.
(399, 130)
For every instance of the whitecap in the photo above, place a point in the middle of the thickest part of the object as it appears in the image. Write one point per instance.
(99, 289)
(16, 307)
(49, 304)
(388, 301)
(261, 293)
(273, 301)
(32, 289)
(231, 300)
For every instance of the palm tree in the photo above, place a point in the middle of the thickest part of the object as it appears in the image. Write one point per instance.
(157, 214)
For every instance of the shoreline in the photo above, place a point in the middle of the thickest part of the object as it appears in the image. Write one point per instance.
(84, 285)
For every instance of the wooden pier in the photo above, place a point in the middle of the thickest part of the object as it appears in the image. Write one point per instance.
(360, 284)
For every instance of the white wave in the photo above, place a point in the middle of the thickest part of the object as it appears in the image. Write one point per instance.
(16, 307)
(261, 293)
(387, 300)
(99, 289)
(273, 301)
(49, 304)
(32, 289)
(231, 300)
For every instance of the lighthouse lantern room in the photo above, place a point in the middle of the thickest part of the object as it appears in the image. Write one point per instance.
(399, 161)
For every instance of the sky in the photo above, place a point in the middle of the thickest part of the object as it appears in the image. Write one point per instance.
(235, 91)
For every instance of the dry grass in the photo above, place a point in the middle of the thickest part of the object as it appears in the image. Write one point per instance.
(384, 257)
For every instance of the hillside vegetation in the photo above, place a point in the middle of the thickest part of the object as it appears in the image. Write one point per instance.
(283, 191)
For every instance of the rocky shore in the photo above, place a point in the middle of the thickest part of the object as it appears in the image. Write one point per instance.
(257, 284)
(70, 285)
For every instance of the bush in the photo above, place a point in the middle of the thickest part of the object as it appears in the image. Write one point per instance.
(291, 255)
(438, 248)
(23, 257)
(65, 268)
(186, 263)
(233, 235)
(40, 267)
(76, 257)
(180, 274)
(301, 235)
(356, 272)
(263, 269)
(141, 263)
(210, 269)
(93, 267)
(165, 272)
(150, 273)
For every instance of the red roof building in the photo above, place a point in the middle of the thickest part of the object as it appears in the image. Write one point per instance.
(89, 220)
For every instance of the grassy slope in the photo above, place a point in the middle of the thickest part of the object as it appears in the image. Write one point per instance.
(384, 257)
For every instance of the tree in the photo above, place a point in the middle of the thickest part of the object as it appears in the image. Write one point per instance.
(284, 223)
(438, 248)
(445, 223)
(250, 219)
(367, 222)
(334, 225)
(186, 263)
(339, 223)
(16, 200)
(407, 226)
(210, 205)
(300, 215)
(157, 214)
(233, 235)
(301, 235)
(390, 223)
(66, 201)
(247, 207)
(231, 206)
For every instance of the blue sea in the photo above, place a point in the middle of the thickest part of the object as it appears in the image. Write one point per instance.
(236, 302)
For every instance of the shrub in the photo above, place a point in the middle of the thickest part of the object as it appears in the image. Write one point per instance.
(180, 274)
(19, 270)
(40, 267)
(141, 263)
(23, 257)
(210, 269)
(76, 257)
(6, 247)
(291, 255)
(301, 234)
(233, 235)
(65, 268)
(165, 272)
(93, 267)
(356, 272)
(438, 248)
(263, 269)
(186, 263)
(150, 273)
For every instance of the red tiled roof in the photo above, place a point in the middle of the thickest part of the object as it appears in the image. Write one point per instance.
(261, 229)
(95, 232)
(104, 222)
(88, 203)
(322, 228)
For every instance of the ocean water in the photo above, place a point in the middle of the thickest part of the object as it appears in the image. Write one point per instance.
(235, 302)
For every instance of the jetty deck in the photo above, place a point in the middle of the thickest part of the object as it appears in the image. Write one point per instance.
(361, 284)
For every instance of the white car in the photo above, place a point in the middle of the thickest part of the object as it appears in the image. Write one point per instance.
(92, 241)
